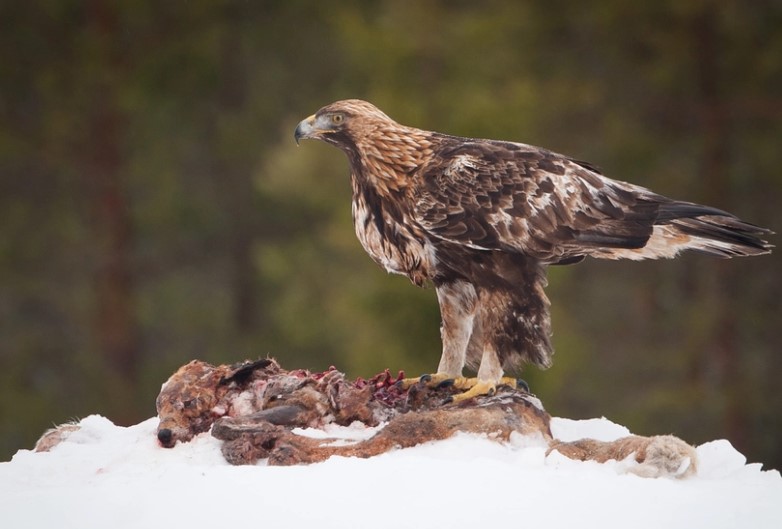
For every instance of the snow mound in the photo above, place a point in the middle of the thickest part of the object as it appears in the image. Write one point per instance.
(104, 475)
(602, 429)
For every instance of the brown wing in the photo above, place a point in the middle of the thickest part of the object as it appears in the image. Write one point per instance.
(515, 197)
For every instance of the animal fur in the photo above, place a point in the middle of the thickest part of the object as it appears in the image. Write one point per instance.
(249, 439)
(254, 407)
(199, 393)
(54, 436)
(656, 456)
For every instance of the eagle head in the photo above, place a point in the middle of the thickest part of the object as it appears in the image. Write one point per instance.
(379, 150)
(341, 122)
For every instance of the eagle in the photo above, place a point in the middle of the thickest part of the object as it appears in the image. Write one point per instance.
(481, 220)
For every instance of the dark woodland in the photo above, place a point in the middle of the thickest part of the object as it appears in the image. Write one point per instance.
(154, 207)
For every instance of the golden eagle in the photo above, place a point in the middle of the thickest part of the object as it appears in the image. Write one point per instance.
(481, 219)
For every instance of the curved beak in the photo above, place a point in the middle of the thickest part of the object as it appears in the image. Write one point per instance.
(305, 129)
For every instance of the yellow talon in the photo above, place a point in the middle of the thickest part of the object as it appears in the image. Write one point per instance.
(469, 383)
(432, 381)
(472, 387)
(478, 389)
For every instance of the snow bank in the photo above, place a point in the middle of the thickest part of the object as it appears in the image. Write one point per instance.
(109, 476)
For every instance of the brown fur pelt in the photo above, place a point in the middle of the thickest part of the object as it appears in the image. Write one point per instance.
(54, 436)
(659, 455)
(199, 393)
(254, 407)
(248, 439)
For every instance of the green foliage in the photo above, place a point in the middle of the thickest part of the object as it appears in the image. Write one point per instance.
(237, 244)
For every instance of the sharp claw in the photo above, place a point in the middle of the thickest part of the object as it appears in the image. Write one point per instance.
(447, 383)
(448, 400)
(522, 385)
(425, 378)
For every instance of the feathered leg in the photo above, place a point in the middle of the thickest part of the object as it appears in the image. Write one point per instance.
(511, 325)
(458, 305)
(482, 352)
(463, 315)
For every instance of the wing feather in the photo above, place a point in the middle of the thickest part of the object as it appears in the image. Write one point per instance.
(515, 197)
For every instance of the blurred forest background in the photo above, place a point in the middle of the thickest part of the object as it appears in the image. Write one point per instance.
(154, 207)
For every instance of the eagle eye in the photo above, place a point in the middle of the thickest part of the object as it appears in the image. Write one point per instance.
(337, 119)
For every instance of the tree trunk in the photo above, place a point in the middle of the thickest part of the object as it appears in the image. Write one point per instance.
(115, 324)
(716, 130)
(233, 170)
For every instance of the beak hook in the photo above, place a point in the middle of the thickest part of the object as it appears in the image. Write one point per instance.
(304, 129)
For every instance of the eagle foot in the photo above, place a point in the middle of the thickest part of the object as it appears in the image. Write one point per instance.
(433, 380)
(479, 389)
(476, 387)
(472, 387)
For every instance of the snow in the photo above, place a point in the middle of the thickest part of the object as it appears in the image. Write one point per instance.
(109, 476)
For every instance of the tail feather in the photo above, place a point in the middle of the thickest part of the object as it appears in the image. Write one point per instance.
(685, 226)
(723, 236)
(669, 210)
